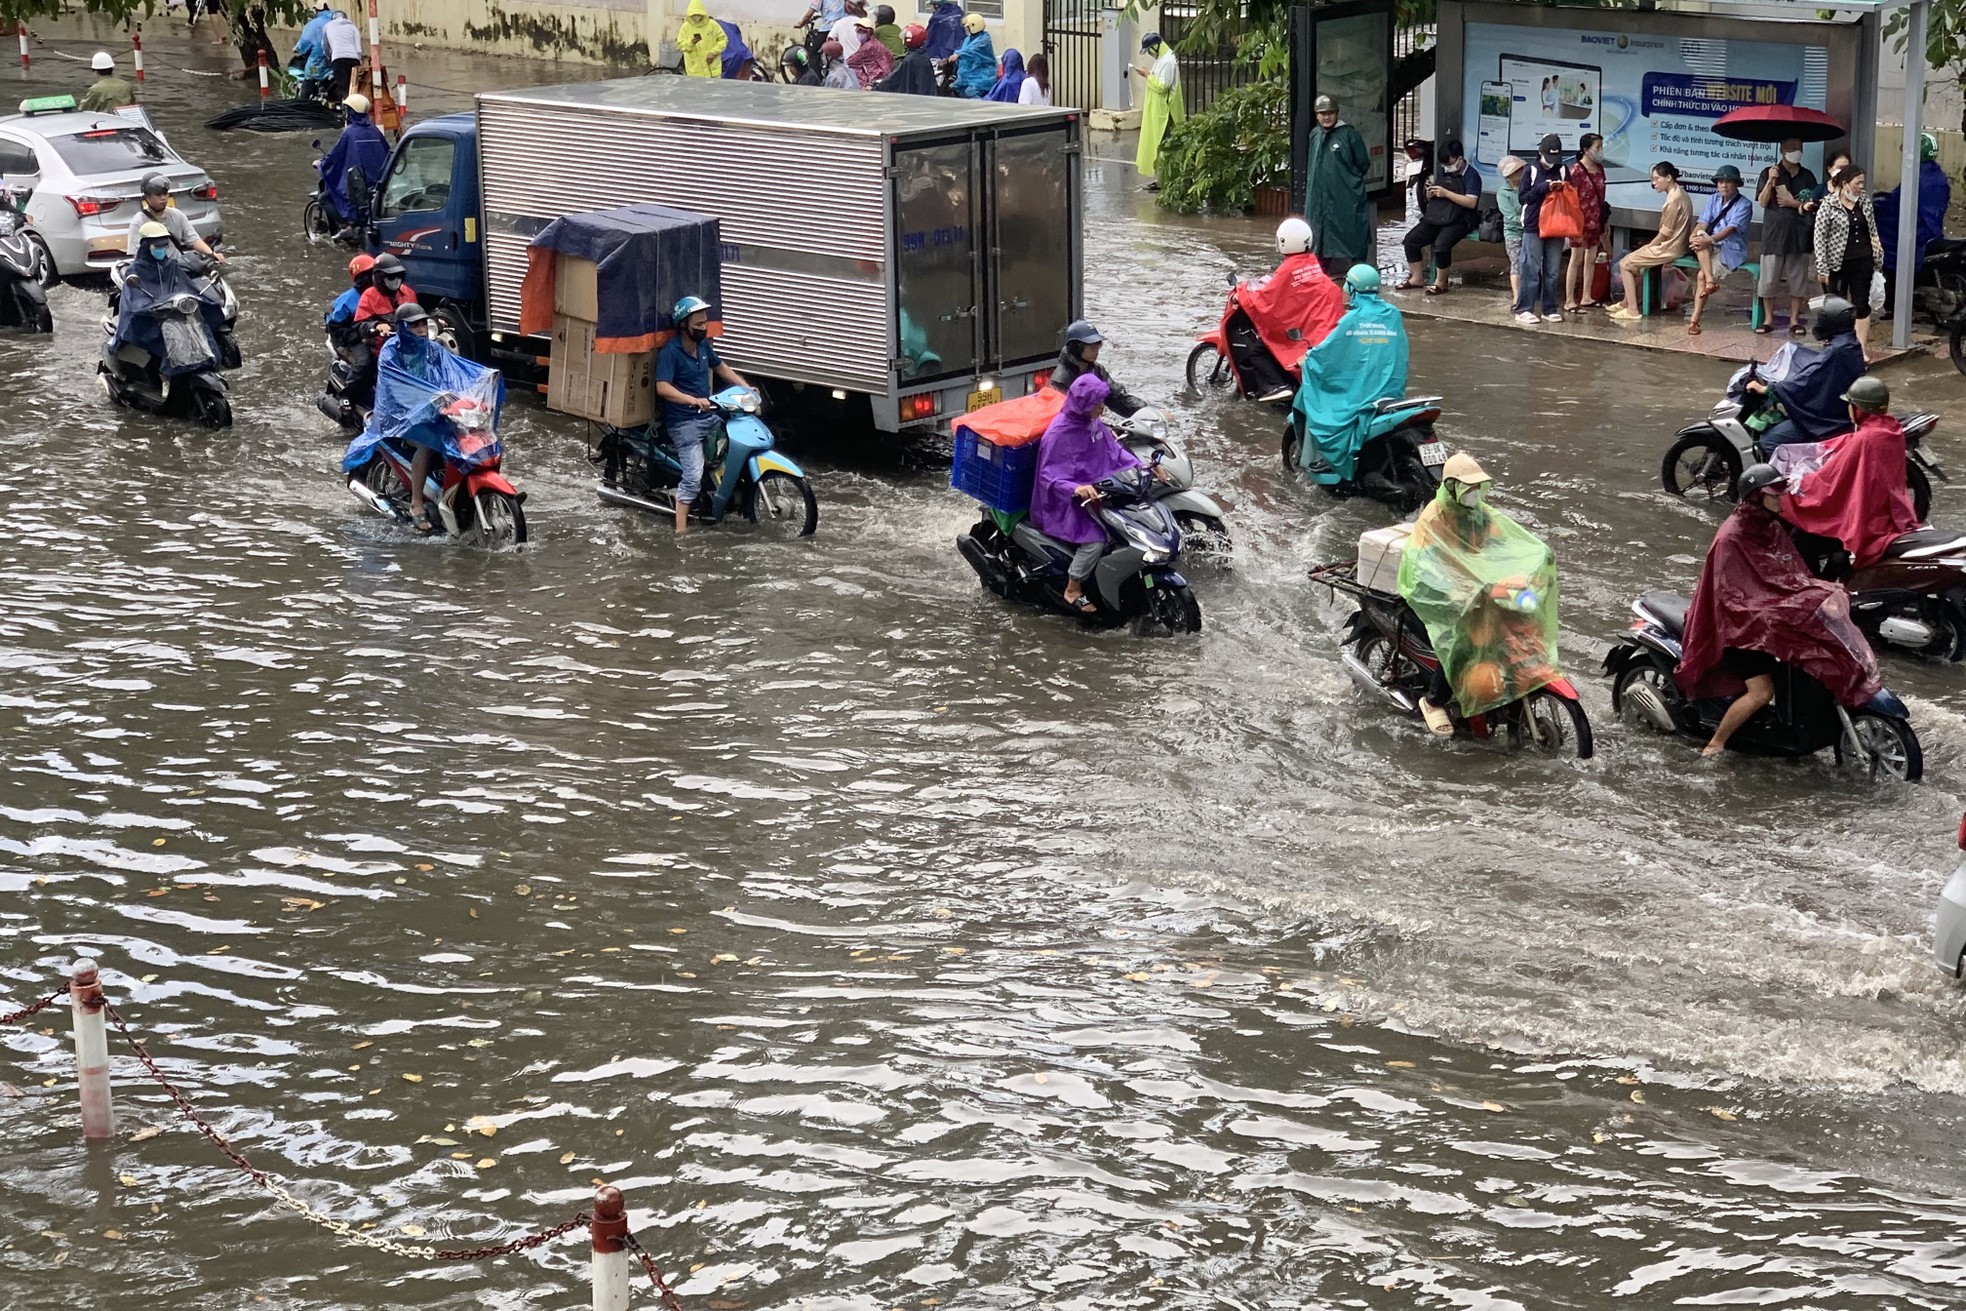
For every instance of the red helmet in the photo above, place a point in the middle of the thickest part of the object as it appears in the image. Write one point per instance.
(914, 36)
(359, 265)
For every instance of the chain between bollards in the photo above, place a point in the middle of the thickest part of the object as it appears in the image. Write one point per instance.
(22, 1016)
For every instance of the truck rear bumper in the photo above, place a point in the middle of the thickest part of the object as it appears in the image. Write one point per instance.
(937, 408)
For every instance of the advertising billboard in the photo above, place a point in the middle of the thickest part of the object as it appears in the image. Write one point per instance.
(1651, 97)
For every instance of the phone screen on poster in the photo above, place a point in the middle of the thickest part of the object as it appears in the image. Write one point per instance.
(1492, 125)
(1550, 96)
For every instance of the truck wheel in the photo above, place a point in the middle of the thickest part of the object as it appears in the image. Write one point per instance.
(454, 332)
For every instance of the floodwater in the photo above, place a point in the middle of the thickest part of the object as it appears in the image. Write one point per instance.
(892, 947)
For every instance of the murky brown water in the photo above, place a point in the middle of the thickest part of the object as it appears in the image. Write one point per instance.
(892, 947)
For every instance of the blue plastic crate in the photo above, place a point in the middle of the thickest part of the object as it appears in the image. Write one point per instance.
(998, 476)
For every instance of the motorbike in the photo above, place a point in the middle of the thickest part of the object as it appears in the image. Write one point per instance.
(1201, 518)
(1914, 598)
(193, 386)
(317, 217)
(350, 394)
(1386, 651)
(1802, 720)
(1398, 464)
(1707, 457)
(812, 38)
(741, 471)
(1136, 580)
(1212, 363)
(471, 495)
(23, 300)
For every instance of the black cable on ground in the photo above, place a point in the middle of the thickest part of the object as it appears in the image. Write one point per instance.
(277, 116)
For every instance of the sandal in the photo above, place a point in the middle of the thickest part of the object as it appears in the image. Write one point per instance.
(1084, 605)
(1797, 329)
(1408, 286)
(1590, 305)
(1764, 329)
(1572, 309)
(1692, 329)
(1436, 291)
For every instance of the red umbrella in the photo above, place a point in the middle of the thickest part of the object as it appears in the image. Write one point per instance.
(1777, 123)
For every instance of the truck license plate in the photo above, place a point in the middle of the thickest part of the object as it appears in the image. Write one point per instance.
(1433, 454)
(978, 399)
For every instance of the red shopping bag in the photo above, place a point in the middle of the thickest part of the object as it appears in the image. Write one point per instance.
(1563, 213)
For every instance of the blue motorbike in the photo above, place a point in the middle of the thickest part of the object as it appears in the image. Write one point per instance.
(1398, 462)
(741, 471)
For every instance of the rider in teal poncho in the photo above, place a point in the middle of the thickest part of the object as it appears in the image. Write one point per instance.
(1362, 361)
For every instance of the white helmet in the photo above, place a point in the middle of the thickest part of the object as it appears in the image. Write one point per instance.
(1293, 237)
(357, 103)
(102, 62)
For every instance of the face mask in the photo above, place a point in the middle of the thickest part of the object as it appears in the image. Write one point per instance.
(391, 283)
(1792, 157)
(697, 332)
(1468, 495)
(159, 253)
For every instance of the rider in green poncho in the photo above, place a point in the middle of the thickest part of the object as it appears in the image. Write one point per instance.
(1361, 361)
(1163, 107)
(1336, 162)
(1485, 588)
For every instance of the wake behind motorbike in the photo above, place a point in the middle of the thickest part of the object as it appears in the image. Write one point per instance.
(23, 300)
(185, 381)
(1802, 720)
(1202, 519)
(1136, 580)
(1398, 464)
(471, 495)
(1389, 656)
(741, 471)
(1706, 458)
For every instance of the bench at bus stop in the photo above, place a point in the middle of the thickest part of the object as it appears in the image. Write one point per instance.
(1691, 264)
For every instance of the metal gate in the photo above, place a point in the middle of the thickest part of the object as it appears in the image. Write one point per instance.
(1205, 74)
(1071, 44)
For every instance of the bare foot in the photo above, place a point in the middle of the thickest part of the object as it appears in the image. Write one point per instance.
(1709, 751)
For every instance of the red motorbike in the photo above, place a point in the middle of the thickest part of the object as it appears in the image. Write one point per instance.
(1212, 364)
(471, 496)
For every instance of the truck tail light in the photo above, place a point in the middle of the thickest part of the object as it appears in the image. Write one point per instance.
(1962, 832)
(91, 206)
(1039, 380)
(207, 192)
(923, 406)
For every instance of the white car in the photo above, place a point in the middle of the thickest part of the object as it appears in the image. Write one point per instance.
(1949, 939)
(83, 176)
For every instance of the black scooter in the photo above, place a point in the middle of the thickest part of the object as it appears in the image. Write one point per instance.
(1803, 719)
(23, 300)
(132, 376)
(317, 217)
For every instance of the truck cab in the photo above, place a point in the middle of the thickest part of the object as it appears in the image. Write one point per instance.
(426, 214)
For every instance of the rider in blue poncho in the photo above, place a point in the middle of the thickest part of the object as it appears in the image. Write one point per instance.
(311, 49)
(1361, 362)
(1012, 80)
(945, 30)
(360, 149)
(1934, 196)
(976, 62)
(736, 53)
(155, 279)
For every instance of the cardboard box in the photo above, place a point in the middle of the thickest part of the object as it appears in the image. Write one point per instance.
(1379, 553)
(575, 288)
(618, 390)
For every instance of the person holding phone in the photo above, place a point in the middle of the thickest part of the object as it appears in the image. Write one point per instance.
(1787, 257)
(1452, 196)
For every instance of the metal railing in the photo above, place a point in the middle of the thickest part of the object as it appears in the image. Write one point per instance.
(1071, 44)
(1205, 74)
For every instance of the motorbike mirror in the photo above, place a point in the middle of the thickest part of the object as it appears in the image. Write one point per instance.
(1232, 277)
(316, 143)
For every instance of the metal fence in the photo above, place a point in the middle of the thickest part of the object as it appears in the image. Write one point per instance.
(1071, 44)
(1406, 110)
(1205, 74)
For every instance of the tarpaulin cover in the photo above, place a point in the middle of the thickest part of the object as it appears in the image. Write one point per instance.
(426, 396)
(181, 345)
(1851, 488)
(1294, 308)
(1485, 588)
(1756, 594)
(1015, 423)
(1362, 361)
(646, 257)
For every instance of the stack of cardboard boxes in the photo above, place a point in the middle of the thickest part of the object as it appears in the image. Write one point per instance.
(618, 390)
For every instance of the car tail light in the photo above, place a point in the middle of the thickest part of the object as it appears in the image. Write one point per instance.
(1962, 832)
(919, 407)
(207, 192)
(1040, 380)
(90, 206)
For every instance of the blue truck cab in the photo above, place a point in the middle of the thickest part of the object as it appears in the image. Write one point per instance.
(427, 215)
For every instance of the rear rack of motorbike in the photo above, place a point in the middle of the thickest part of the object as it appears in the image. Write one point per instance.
(1342, 576)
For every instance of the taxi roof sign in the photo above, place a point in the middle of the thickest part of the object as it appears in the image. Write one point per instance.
(48, 105)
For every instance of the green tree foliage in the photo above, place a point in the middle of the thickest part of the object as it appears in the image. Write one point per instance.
(292, 13)
(1945, 40)
(1217, 159)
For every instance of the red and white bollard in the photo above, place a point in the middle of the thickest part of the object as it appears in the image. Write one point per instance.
(402, 102)
(91, 1049)
(21, 29)
(613, 1267)
(378, 75)
(264, 92)
(136, 49)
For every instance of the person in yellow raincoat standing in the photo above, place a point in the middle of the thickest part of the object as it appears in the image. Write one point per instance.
(1163, 107)
(702, 41)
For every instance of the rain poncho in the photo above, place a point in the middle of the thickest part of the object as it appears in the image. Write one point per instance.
(1163, 108)
(702, 42)
(426, 396)
(1334, 193)
(1851, 488)
(913, 76)
(945, 30)
(736, 53)
(1011, 80)
(1485, 588)
(870, 62)
(1363, 360)
(1812, 393)
(889, 35)
(180, 345)
(360, 146)
(311, 48)
(1934, 194)
(1294, 308)
(976, 67)
(838, 75)
(1756, 594)
(1075, 450)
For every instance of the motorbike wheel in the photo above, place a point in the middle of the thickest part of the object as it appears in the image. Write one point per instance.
(44, 263)
(1293, 447)
(498, 519)
(210, 409)
(44, 321)
(781, 504)
(111, 388)
(315, 223)
(1920, 488)
(1552, 724)
(1699, 463)
(1645, 694)
(453, 331)
(1174, 608)
(1208, 370)
(1891, 746)
(1204, 537)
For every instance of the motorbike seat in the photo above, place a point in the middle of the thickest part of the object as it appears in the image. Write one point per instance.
(1926, 543)
(1669, 608)
(1917, 425)
(1395, 403)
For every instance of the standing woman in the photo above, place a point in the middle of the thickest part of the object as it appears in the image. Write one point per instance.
(976, 62)
(1586, 178)
(1163, 108)
(702, 42)
(1037, 81)
(1847, 247)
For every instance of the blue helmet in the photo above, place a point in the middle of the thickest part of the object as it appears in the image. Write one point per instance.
(687, 306)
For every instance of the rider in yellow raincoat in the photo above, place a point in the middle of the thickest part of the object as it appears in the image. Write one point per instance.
(702, 41)
(1163, 107)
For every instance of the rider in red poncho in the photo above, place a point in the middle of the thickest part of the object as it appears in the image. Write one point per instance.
(1757, 607)
(1852, 487)
(1283, 316)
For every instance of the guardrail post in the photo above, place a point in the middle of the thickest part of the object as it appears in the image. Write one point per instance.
(20, 30)
(136, 50)
(264, 92)
(91, 1049)
(612, 1265)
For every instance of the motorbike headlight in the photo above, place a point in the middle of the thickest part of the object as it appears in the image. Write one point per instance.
(1150, 421)
(185, 304)
(748, 402)
(1148, 544)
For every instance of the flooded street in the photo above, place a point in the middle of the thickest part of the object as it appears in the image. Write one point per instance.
(891, 946)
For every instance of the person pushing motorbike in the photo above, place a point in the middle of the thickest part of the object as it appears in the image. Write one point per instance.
(1850, 490)
(1756, 608)
(687, 370)
(1080, 357)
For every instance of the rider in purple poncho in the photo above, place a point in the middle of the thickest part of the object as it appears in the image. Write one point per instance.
(1076, 451)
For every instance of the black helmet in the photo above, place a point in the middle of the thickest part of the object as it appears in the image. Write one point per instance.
(883, 14)
(156, 184)
(405, 315)
(388, 267)
(1080, 333)
(1868, 393)
(1755, 478)
(1836, 317)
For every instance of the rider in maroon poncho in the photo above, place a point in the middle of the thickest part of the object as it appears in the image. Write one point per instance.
(1854, 490)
